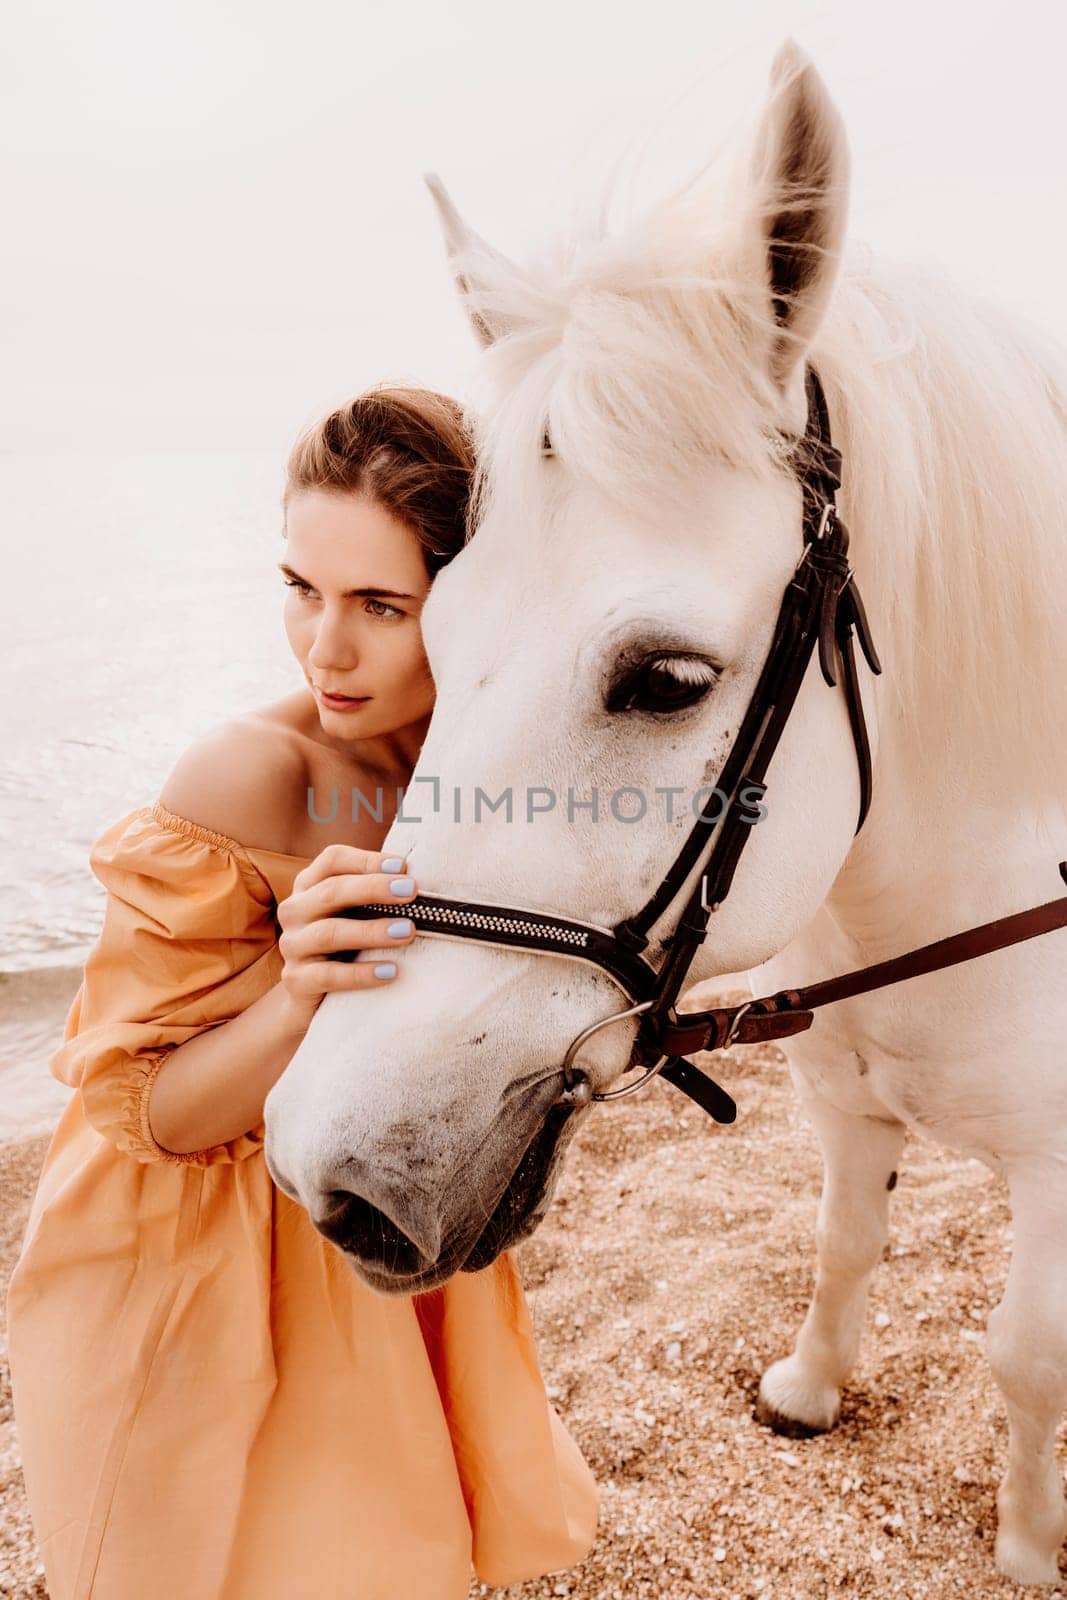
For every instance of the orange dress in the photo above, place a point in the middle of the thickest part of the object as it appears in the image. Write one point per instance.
(210, 1404)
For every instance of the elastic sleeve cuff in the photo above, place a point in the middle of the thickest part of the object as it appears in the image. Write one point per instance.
(136, 1136)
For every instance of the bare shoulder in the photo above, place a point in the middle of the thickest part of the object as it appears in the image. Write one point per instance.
(245, 778)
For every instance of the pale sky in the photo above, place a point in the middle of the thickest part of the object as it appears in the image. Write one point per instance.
(215, 224)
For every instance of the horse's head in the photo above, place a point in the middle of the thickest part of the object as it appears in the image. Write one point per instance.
(596, 644)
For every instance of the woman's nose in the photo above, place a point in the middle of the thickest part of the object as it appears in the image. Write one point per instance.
(330, 647)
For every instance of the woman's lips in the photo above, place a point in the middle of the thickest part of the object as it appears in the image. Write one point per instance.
(340, 702)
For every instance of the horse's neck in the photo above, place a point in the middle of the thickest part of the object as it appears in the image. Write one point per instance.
(949, 843)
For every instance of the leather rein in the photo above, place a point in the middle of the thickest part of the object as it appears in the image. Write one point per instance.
(820, 609)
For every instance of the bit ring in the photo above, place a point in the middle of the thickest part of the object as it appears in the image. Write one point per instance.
(579, 1093)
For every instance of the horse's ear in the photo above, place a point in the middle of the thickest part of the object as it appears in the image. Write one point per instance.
(801, 176)
(465, 249)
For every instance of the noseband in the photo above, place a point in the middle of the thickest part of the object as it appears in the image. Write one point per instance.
(821, 607)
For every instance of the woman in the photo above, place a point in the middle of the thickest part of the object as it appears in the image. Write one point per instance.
(211, 1405)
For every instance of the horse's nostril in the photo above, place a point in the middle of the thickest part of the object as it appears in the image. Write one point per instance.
(360, 1229)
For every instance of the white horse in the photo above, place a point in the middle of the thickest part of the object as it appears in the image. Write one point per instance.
(648, 553)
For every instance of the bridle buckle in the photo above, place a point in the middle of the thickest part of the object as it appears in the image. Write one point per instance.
(735, 1023)
(704, 896)
(828, 511)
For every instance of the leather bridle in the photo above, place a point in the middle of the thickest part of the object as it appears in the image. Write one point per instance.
(821, 607)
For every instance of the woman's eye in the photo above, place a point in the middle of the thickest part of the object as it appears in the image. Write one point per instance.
(387, 612)
(664, 683)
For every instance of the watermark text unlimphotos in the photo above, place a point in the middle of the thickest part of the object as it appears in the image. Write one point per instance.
(628, 804)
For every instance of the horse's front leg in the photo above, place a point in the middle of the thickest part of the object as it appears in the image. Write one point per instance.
(801, 1394)
(1026, 1342)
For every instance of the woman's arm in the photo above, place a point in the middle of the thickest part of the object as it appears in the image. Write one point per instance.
(212, 1089)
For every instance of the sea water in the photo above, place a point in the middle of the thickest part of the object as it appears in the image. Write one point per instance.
(140, 605)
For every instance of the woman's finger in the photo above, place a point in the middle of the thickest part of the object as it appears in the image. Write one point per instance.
(335, 935)
(357, 889)
(326, 976)
(347, 858)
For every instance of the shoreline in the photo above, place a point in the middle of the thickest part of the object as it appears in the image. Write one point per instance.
(35, 1004)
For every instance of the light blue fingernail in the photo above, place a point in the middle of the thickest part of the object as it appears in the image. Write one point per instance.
(402, 885)
(399, 930)
(393, 864)
(385, 969)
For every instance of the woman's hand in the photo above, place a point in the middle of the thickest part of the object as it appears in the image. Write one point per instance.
(215, 1085)
(341, 875)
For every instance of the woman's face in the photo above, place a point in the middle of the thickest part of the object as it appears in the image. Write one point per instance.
(357, 581)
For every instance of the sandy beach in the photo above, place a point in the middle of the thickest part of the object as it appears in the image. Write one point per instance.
(21, 1577)
(675, 1265)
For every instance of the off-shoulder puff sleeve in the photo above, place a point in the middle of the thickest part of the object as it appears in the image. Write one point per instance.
(189, 941)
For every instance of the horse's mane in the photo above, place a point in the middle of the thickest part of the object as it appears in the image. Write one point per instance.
(636, 352)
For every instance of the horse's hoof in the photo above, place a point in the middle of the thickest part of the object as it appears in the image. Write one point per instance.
(793, 1407)
(1023, 1564)
(778, 1422)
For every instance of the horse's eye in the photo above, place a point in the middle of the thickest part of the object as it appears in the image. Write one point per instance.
(663, 683)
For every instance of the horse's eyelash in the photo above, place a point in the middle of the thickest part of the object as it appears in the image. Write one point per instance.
(687, 669)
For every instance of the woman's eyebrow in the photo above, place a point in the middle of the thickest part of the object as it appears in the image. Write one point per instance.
(351, 594)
